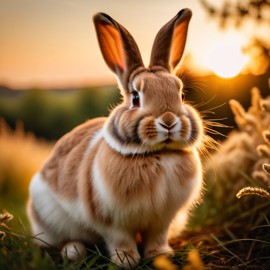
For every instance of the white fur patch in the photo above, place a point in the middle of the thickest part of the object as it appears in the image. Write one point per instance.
(101, 188)
(120, 148)
(64, 220)
(99, 134)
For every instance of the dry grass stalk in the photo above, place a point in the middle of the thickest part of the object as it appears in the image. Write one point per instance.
(253, 191)
(256, 122)
(266, 168)
(248, 148)
(4, 218)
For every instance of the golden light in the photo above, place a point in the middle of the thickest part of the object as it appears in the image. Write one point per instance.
(225, 57)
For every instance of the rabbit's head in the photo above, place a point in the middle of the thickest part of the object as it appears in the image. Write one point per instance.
(152, 116)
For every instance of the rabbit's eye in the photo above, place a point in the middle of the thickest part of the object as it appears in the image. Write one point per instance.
(182, 96)
(135, 99)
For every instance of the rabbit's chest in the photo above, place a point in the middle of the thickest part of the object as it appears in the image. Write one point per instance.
(145, 184)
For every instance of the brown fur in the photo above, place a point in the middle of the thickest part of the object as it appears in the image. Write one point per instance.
(185, 126)
(147, 128)
(61, 170)
(132, 178)
(129, 177)
(161, 92)
(168, 118)
(170, 42)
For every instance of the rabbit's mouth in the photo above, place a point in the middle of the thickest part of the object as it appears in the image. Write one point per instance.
(168, 140)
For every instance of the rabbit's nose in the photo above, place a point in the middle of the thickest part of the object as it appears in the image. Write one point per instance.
(168, 120)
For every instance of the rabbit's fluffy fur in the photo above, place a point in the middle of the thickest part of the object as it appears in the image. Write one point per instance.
(137, 171)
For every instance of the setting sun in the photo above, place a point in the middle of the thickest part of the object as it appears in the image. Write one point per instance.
(225, 58)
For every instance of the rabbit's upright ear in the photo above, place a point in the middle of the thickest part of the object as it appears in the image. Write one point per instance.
(170, 41)
(118, 47)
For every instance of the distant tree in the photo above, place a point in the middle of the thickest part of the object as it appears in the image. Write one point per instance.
(239, 12)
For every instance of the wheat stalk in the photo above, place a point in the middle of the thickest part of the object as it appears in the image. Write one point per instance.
(253, 191)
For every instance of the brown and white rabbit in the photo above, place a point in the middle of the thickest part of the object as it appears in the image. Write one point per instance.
(137, 171)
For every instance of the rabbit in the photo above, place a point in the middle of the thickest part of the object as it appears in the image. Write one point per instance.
(137, 171)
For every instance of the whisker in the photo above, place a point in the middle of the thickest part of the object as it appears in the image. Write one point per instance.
(199, 105)
(213, 120)
(214, 132)
(218, 106)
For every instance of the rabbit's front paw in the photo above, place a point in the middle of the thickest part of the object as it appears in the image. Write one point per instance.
(127, 259)
(74, 251)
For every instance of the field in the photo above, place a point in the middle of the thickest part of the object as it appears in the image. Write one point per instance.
(224, 232)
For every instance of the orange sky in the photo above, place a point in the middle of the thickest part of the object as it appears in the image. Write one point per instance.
(52, 43)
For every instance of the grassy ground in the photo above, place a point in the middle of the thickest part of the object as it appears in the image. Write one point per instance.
(221, 236)
(19, 252)
(234, 234)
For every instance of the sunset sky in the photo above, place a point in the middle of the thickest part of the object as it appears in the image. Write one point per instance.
(52, 43)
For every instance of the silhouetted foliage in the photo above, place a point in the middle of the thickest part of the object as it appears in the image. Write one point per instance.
(239, 13)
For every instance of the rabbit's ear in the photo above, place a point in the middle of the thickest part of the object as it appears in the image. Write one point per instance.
(170, 41)
(118, 47)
